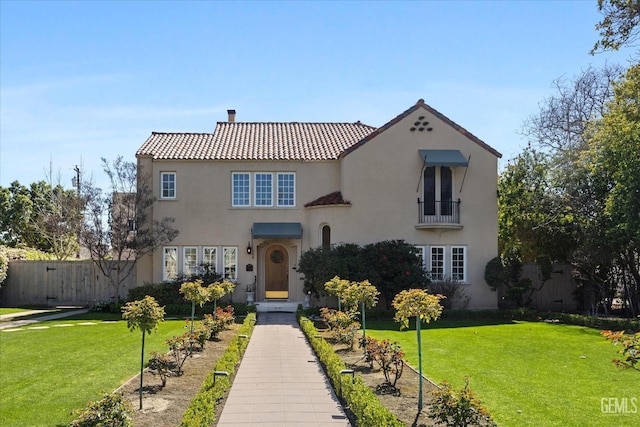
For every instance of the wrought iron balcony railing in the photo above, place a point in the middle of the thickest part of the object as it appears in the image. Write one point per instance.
(439, 212)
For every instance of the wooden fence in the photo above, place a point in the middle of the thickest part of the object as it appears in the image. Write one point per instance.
(557, 294)
(54, 283)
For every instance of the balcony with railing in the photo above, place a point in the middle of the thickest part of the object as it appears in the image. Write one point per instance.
(439, 214)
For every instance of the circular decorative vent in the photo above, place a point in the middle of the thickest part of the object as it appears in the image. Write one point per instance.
(277, 257)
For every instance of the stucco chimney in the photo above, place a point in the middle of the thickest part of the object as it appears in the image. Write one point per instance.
(232, 115)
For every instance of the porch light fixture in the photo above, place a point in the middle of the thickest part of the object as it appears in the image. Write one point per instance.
(249, 249)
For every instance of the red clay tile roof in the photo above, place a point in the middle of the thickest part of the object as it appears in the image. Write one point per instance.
(334, 198)
(258, 141)
(279, 141)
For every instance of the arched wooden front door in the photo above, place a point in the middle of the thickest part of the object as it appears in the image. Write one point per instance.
(276, 273)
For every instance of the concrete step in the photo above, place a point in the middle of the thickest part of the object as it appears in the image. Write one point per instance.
(277, 306)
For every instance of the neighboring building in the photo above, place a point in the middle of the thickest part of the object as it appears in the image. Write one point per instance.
(251, 197)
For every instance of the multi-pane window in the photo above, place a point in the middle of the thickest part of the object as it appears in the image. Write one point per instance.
(445, 262)
(169, 263)
(190, 260)
(168, 185)
(458, 263)
(230, 255)
(210, 257)
(437, 263)
(264, 189)
(241, 189)
(286, 189)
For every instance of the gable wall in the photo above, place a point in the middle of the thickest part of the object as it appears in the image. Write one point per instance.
(381, 179)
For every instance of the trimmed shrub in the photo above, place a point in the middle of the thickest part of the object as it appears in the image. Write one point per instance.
(364, 404)
(110, 411)
(458, 408)
(201, 411)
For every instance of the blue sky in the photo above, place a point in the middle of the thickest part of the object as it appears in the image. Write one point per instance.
(85, 80)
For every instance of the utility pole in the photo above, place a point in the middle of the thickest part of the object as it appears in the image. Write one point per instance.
(76, 169)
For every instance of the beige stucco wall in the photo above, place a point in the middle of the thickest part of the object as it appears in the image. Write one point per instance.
(382, 180)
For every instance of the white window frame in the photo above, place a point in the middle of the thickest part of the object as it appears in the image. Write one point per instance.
(422, 255)
(165, 274)
(234, 188)
(279, 189)
(230, 262)
(455, 275)
(210, 256)
(263, 202)
(438, 276)
(171, 192)
(187, 268)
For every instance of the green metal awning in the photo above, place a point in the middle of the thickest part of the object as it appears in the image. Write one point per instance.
(276, 230)
(443, 158)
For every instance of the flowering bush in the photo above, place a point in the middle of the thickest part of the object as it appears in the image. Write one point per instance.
(462, 408)
(388, 355)
(112, 410)
(161, 363)
(630, 348)
(342, 325)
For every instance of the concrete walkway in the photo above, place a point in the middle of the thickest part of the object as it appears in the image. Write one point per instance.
(280, 381)
(10, 324)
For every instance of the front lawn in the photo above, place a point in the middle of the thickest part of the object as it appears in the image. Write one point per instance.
(48, 369)
(527, 373)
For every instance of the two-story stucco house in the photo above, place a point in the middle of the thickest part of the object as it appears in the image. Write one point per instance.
(251, 197)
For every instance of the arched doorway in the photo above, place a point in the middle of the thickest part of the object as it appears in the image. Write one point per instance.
(276, 273)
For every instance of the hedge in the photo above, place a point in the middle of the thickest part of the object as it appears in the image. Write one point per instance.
(360, 399)
(201, 411)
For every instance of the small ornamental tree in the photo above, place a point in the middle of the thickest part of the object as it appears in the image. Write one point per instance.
(145, 315)
(364, 295)
(423, 306)
(197, 294)
(217, 290)
(336, 286)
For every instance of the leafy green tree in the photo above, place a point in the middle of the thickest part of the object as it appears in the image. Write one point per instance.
(619, 26)
(532, 217)
(145, 315)
(42, 216)
(613, 166)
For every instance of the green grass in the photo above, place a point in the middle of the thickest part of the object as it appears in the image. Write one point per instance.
(526, 373)
(12, 310)
(47, 373)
